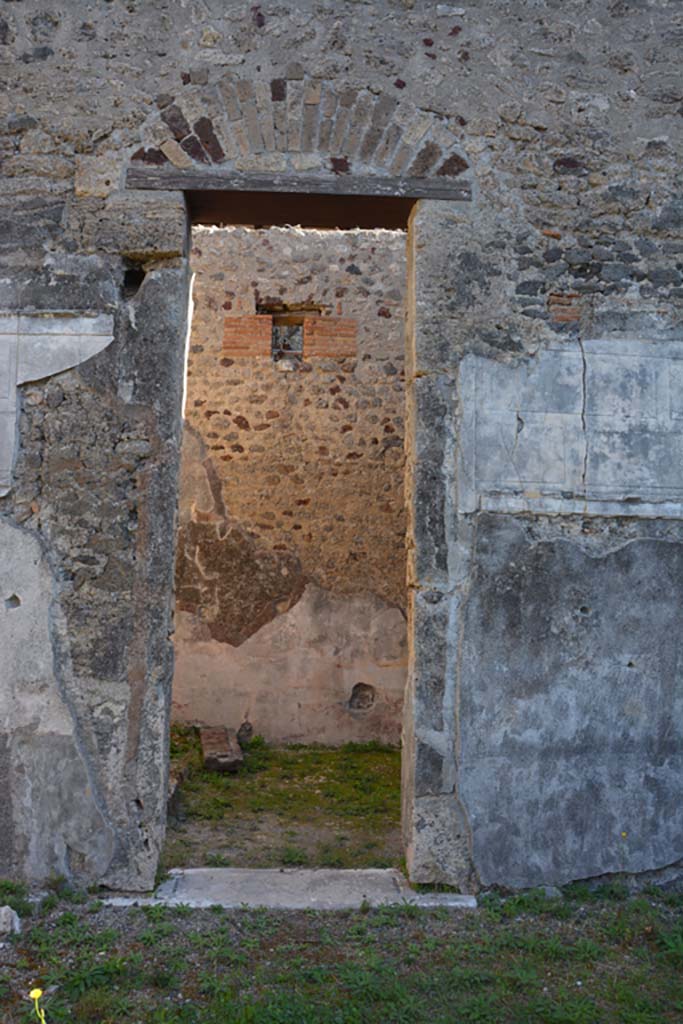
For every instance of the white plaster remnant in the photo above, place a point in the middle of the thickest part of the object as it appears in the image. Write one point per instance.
(592, 427)
(35, 346)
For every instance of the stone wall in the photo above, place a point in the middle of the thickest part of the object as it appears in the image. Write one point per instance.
(562, 122)
(291, 569)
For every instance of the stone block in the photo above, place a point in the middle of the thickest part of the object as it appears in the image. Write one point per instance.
(175, 153)
(439, 236)
(437, 847)
(430, 635)
(140, 225)
(99, 175)
(430, 477)
(220, 750)
(10, 922)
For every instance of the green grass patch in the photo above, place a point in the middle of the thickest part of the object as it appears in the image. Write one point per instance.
(614, 962)
(297, 805)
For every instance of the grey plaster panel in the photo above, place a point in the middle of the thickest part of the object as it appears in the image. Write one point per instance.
(591, 428)
(571, 711)
(33, 347)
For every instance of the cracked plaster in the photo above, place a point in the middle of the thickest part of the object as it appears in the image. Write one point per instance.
(592, 426)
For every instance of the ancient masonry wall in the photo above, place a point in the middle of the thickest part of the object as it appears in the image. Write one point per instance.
(291, 565)
(543, 736)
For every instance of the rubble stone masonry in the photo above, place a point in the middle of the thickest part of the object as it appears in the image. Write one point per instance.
(542, 738)
(292, 487)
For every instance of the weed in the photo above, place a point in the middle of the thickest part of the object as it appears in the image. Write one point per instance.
(614, 891)
(217, 860)
(49, 903)
(292, 856)
(670, 941)
(61, 888)
(587, 950)
(15, 895)
(533, 901)
(92, 974)
(96, 1005)
(155, 912)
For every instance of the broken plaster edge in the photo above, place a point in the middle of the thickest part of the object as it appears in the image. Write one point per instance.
(46, 343)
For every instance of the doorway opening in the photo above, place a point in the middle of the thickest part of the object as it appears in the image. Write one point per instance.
(291, 596)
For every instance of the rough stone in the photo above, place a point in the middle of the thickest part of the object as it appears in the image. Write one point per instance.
(10, 922)
(140, 225)
(33, 347)
(220, 750)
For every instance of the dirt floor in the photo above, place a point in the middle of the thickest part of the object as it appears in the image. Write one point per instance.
(297, 806)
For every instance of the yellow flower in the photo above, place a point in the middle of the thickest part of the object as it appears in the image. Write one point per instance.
(35, 995)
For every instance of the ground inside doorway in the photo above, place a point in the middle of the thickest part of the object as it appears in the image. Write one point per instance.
(286, 807)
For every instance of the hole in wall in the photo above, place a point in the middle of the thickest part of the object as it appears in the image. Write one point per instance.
(12, 602)
(363, 697)
(132, 281)
(584, 609)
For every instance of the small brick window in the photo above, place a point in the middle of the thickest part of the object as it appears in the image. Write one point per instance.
(288, 334)
(287, 339)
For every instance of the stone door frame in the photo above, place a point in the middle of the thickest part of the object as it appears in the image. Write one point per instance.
(430, 817)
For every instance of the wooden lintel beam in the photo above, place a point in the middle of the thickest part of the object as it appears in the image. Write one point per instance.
(342, 185)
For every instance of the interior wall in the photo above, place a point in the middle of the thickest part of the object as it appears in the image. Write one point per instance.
(290, 579)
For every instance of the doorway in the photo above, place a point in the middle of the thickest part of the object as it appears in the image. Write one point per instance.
(291, 563)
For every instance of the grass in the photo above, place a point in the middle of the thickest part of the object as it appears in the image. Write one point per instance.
(294, 806)
(603, 960)
(15, 895)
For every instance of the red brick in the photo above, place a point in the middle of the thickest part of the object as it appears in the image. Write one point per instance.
(564, 308)
(248, 336)
(334, 337)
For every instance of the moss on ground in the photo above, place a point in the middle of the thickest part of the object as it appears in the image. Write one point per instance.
(305, 806)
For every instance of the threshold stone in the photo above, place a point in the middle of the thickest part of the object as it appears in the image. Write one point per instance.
(292, 889)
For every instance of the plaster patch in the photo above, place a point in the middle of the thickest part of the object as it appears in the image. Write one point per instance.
(593, 427)
(44, 827)
(35, 346)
